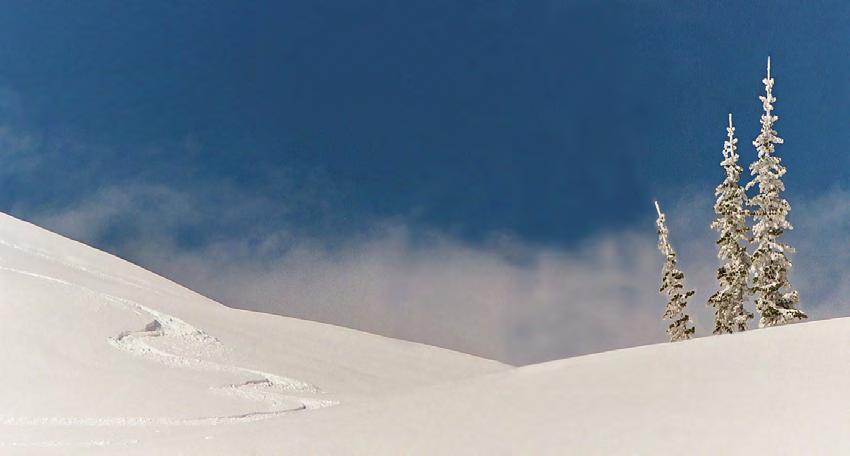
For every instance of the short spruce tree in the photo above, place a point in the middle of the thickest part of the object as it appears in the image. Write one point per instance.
(731, 224)
(776, 300)
(672, 283)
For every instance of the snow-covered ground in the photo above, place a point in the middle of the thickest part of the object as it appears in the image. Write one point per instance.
(99, 353)
(779, 391)
(101, 357)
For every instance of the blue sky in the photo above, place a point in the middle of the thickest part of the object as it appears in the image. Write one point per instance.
(548, 123)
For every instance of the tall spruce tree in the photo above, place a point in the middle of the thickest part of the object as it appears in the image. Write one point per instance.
(776, 300)
(672, 283)
(731, 223)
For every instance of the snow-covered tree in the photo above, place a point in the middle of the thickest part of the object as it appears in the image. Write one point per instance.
(731, 223)
(672, 283)
(776, 301)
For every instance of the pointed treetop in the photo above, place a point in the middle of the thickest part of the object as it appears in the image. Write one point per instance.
(768, 67)
(729, 145)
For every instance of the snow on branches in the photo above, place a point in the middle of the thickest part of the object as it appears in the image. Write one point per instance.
(672, 283)
(776, 301)
(731, 223)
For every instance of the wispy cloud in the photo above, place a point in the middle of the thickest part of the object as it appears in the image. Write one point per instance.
(503, 299)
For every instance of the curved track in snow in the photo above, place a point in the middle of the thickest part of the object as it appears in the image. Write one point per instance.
(281, 394)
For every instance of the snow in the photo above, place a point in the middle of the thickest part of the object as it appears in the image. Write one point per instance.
(775, 391)
(99, 353)
(102, 357)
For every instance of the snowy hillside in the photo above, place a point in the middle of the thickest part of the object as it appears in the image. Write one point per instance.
(101, 357)
(778, 391)
(97, 352)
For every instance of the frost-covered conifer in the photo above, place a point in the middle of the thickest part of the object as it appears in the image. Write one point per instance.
(731, 224)
(672, 283)
(776, 301)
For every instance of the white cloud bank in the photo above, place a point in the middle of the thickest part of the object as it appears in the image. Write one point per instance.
(501, 299)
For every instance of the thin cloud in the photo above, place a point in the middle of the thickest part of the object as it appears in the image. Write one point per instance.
(504, 299)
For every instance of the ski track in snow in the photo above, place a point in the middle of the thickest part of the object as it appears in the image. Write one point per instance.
(272, 389)
(66, 444)
(44, 255)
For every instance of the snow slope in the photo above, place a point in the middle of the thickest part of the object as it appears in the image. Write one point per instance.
(99, 353)
(779, 391)
(101, 357)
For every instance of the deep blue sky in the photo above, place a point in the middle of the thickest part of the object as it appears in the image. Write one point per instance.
(548, 120)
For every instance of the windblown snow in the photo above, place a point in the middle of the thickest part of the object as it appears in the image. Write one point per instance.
(102, 357)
